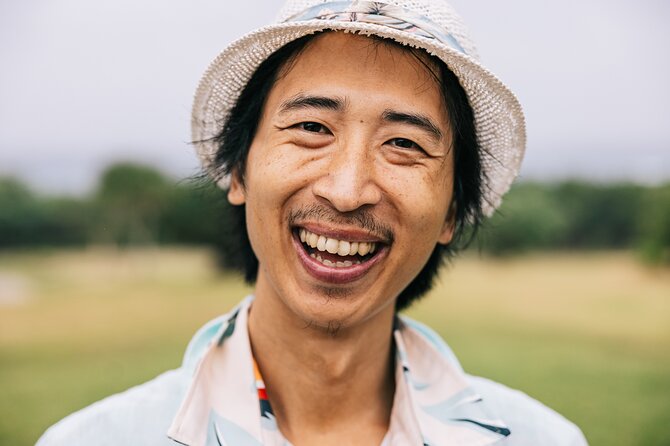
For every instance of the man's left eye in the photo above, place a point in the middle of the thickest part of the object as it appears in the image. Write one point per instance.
(313, 127)
(404, 143)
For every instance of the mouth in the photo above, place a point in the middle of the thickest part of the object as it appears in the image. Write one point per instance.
(337, 257)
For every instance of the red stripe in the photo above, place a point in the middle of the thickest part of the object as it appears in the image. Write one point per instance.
(262, 394)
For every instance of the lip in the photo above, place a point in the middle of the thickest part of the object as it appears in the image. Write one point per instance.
(336, 275)
(351, 235)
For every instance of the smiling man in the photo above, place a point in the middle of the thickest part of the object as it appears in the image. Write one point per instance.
(359, 142)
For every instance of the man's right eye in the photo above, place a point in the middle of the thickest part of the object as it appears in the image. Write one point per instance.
(313, 127)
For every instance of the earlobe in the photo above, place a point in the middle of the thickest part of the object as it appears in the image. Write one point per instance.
(449, 225)
(236, 192)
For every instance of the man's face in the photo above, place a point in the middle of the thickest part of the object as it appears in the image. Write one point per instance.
(348, 181)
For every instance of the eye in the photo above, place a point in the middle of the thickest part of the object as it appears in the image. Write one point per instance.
(404, 143)
(313, 127)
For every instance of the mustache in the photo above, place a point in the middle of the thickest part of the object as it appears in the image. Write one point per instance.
(361, 218)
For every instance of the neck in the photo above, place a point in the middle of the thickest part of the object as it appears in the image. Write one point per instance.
(324, 385)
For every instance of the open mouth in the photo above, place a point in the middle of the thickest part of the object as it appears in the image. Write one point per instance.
(336, 253)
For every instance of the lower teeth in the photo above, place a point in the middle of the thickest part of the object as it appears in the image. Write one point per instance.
(327, 262)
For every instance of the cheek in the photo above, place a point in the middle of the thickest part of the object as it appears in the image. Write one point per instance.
(420, 196)
(277, 167)
(423, 210)
(271, 187)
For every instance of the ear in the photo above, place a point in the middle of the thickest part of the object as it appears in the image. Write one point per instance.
(449, 225)
(236, 192)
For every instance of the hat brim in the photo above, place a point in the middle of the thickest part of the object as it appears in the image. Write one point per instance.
(499, 120)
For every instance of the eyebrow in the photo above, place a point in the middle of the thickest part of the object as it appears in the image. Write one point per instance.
(303, 101)
(414, 119)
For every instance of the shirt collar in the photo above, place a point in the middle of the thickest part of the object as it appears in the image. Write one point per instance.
(447, 410)
(433, 404)
(218, 403)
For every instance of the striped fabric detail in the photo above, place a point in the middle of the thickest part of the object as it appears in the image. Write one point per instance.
(263, 401)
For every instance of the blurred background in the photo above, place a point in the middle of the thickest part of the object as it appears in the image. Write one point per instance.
(110, 253)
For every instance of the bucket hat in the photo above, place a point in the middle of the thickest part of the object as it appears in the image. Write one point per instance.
(431, 25)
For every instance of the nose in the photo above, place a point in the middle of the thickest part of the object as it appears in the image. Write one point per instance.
(349, 182)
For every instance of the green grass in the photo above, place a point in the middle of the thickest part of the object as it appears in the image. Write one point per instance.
(587, 334)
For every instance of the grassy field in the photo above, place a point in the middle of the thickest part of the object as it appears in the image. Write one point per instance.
(587, 334)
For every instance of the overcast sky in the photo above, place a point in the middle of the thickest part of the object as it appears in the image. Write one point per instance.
(84, 83)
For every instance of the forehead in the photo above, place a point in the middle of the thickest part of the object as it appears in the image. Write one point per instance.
(347, 63)
(329, 44)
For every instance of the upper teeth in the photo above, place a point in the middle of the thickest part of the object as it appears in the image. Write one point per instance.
(334, 246)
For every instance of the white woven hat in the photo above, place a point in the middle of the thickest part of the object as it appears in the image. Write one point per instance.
(432, 25)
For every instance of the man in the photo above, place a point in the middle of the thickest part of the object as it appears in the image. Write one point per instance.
(357, 161)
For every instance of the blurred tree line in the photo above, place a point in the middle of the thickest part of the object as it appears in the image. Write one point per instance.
(132, 205)
(575, 215)
(138, 205)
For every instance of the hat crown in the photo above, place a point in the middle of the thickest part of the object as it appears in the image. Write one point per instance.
(438, 12)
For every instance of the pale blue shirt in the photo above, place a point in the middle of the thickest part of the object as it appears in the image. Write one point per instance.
(211, 400)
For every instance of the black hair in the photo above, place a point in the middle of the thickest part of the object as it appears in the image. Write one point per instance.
(239, 130)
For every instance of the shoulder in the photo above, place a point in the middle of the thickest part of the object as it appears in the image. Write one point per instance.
(530, 421)
(140, 415)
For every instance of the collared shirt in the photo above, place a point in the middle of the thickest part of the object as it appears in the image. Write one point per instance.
(213, 400)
